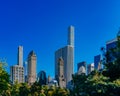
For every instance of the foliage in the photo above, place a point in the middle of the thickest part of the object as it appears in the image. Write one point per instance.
(104, 83)
(4, 79)
(112, 61)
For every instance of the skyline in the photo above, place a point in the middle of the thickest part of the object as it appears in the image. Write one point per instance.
(39, 26)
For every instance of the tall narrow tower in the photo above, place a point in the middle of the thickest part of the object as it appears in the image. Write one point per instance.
(71, 35)
(20, 55)
(31, 67)
(67, 54)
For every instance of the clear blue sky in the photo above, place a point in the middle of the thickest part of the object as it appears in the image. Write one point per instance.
(41, 25)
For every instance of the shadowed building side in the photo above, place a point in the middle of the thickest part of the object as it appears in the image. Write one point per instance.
(41, 78)
(60, 77)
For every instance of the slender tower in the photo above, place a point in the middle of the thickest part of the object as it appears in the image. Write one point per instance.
(20, 55)
(67, 54)
(31, 67)
(71, 36)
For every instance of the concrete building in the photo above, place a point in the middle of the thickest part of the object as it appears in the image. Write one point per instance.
(17, 71)
(90, 68)
(60, 78)
(17, 74)
(32, 60)
(67, 54)
(81, 68)
(97, 62)
(20, 56)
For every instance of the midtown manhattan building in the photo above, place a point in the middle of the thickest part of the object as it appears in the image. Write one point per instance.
(60, 78)
(17, 74)
(41, 78)
(111, 44)
(81, 68)
(97, 62)
(20, 56)
(90, 68)
(32, 60)
(17, 71)
(67, 54)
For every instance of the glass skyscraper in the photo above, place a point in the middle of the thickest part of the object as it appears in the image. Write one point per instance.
(97, 62)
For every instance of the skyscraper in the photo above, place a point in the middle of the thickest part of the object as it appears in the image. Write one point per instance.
(20, 55)
(81, 67)
(41, 78)
(111, 44)
(97, 62)
(67, 54)
(32, 59)
(17, 71)
(90, 68)
(60, 77)
(71, 36)
(17, 74)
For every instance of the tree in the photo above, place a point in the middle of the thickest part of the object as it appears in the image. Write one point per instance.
(112, 62)
(24, 89)
(4, 79)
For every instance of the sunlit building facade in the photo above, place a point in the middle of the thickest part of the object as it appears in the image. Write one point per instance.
(32, 60)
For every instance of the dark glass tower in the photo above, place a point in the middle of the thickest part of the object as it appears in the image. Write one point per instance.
(41, 78)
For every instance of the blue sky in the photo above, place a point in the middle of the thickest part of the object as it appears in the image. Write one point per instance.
(41, 25)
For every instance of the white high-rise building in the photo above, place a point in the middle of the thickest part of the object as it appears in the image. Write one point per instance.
(17, 74)
(90, 68)
(17, 71)
(67, 54)
(71, 36)
(20, 55)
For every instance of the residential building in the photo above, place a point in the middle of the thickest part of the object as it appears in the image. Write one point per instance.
(90, 68)
(20, 56)
(32, 60)
(67, 54)
(17, 74)
(81, 68)
(60, 78)
(17, 71)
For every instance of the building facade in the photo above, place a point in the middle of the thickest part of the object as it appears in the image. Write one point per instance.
(32, 60)
(41, 78)
(81, 68)
(17, 71)
(60, 78)
(67, 54)
(20, 56)
(111, 44)
(17, 74)
(97, 62)
(90, 68)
